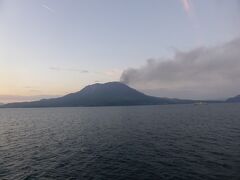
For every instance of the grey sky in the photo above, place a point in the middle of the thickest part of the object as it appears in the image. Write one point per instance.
(102, 36)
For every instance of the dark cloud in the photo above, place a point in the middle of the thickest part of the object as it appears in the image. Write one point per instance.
(205, 72)
(69, 69)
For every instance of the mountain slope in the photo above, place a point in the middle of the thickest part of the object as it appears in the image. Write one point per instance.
(234, 99)
(108, 94)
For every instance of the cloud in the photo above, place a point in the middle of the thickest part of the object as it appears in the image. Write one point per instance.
(186, 6)
(189, 9)
(69, 69)
(32, 89)
(204, 72)
(48, 8)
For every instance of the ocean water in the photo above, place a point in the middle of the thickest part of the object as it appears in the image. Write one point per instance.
(142, 142)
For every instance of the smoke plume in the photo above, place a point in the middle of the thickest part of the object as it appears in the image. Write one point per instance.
(201, 73)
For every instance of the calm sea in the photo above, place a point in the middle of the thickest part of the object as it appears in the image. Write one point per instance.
(143, 142)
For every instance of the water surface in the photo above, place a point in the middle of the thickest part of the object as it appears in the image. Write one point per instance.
(143, 142)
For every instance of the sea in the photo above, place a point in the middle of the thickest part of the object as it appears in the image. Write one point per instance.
(121, 143)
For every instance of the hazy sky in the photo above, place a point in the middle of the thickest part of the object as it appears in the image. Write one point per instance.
(53, 47)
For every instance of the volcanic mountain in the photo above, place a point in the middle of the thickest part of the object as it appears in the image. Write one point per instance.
(235, 99)
(108, 94)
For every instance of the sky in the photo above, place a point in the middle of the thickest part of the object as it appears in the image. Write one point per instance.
(49, 48)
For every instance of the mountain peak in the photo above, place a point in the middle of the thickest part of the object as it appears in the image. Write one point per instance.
(113, 83)
(111, 86)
